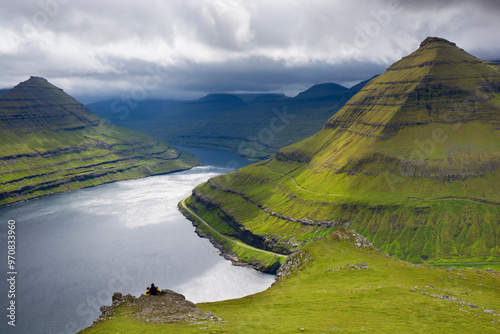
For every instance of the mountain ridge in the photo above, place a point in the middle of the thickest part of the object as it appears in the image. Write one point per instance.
(210, 121)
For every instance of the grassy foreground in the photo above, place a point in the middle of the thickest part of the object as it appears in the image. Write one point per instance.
(337, 286)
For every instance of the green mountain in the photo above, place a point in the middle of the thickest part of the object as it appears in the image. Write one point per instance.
(51, 143)
(252, 125)
(411, 162)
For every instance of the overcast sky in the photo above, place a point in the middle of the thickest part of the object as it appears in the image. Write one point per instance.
(188, 48)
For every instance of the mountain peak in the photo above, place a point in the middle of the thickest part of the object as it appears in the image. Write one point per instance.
(321, 90)
(437, 83)
(35, 78)
(36, 90)
(35, 82)
(36, 103)
(430, 40)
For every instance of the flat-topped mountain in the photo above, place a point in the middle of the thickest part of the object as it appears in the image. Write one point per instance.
(52, 143)
(321, 94)
(411, 162)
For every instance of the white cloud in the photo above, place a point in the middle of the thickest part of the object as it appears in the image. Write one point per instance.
(218, 44)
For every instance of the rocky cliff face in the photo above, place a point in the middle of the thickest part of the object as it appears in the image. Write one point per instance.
(411, 162)
(52, 143)
(170, 308)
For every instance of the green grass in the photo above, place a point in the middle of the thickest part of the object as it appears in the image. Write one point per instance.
(410, 229)
(123, 322)
(325, 296)
(47, 162)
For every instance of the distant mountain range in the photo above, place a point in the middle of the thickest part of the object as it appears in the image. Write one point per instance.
(4, 90)
(412, 162)
(252, 125)
(51, 143)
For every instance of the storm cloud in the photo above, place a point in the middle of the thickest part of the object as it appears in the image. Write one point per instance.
(188, 48)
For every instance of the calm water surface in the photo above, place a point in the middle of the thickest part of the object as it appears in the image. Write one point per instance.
(74, 250)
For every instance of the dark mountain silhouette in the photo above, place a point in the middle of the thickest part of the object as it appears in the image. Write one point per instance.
(252, 125)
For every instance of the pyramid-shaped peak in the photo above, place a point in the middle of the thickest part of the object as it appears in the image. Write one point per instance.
(36, 90)
(437, 83)
(37, 82)
(430, 40)
(412, 160)
(436, 51)
(36, 103)
(40, 82)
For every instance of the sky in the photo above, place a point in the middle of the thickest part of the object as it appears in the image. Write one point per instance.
(184, 49)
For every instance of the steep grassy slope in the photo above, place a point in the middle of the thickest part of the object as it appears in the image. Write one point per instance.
(253, 126)
(341, 284)
(411, 162)
(51, 143)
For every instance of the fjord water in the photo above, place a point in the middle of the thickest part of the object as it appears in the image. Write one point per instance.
(74, 250)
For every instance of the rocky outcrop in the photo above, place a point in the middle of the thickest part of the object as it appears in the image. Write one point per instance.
(293, 263)
(353, 238)
(293, 156)
(449, 170)
(299, 259)
(170, 307)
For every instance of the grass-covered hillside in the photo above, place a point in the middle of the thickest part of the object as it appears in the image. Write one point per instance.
(339, 285)
(411, 162)
(251, 125)
(51, 143)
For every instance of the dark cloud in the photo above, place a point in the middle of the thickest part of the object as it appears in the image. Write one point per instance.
(196, 47)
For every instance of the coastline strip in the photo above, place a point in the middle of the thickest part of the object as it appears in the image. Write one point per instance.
(223, 236)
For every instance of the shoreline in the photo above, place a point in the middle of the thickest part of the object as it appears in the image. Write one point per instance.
(224, 252)
(2, 206)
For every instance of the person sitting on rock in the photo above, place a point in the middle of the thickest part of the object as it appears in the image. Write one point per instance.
(147, 291)
(153, 290)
